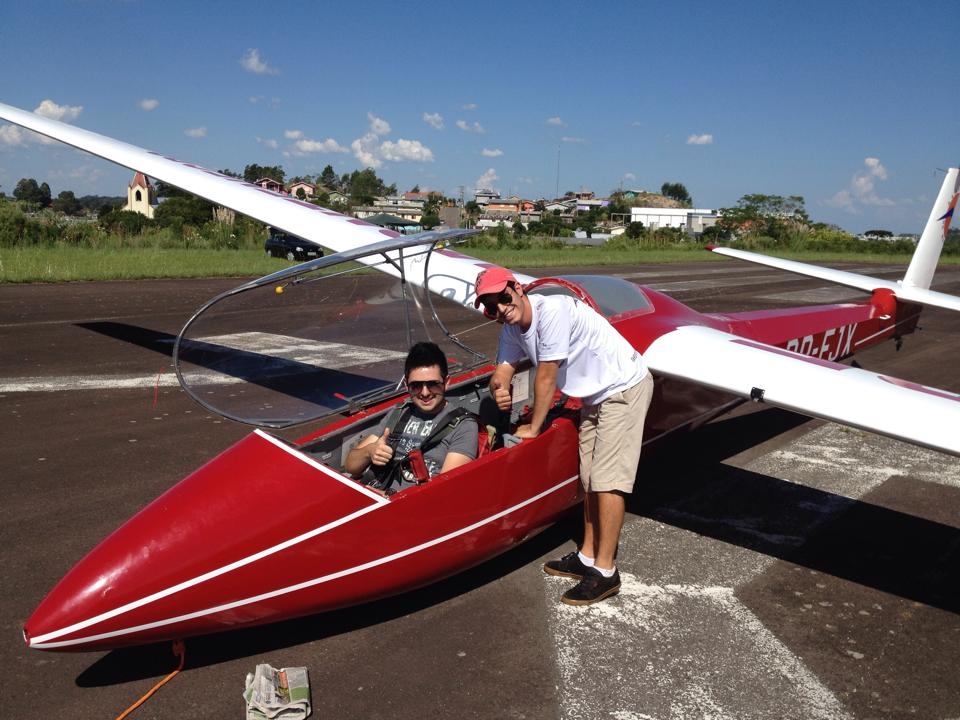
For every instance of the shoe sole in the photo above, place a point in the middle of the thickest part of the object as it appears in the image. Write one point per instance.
(561, 573)
(609, 593)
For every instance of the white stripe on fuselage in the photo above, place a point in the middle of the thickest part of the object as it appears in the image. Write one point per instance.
(41, 641)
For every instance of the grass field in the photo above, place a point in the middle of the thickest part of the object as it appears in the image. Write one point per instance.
(66, 264)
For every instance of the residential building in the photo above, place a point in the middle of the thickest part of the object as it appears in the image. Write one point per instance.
(309, 189)
(272, 185)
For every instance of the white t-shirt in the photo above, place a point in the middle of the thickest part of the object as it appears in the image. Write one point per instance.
(596, 360)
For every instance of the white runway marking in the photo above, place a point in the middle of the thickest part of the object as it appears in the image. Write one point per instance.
(677, 642)
(311, 352)
(652, 652)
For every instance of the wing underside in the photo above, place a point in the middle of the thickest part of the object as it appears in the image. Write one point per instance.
(820, 388)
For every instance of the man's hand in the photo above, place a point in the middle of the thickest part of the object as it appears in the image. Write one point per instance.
(382, 452)
(526, 432)
(501, 394)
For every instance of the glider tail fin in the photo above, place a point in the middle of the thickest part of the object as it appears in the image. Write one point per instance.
(924, 262)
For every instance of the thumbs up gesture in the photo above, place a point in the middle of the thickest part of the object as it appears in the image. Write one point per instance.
(501, 394)
(382, 452)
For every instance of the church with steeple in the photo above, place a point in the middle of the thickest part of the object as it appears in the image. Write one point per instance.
(140, 196)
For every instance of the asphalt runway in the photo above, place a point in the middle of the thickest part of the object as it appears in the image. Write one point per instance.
(773, 566)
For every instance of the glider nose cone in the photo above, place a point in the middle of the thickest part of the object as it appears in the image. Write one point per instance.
(227, 545)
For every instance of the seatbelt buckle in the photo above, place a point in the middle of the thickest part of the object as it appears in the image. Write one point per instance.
(417, 466)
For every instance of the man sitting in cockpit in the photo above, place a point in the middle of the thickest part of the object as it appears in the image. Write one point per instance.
(446, 435)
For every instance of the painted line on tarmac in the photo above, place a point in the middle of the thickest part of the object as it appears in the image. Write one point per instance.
(677, 651)
(327, 355)
(86, 382)
(677, 641)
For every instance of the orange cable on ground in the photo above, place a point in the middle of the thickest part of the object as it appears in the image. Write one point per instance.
(180, 650)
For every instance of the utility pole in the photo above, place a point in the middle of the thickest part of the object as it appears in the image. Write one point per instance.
(557, 193)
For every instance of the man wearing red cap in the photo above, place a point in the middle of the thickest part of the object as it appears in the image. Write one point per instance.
(576, 350)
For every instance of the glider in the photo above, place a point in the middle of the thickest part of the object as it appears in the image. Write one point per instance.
(272, 529)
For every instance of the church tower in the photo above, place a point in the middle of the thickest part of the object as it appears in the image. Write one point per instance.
(140, 195)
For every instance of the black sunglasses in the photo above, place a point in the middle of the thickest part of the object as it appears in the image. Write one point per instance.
(490, 308)
(415, 387)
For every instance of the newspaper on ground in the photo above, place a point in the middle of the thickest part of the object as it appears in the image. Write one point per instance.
(283, 694)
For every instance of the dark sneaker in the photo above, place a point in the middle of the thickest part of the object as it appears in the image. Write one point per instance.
(567, 566)
(594, 587)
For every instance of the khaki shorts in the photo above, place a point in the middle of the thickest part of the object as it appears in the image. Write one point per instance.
(611, 435)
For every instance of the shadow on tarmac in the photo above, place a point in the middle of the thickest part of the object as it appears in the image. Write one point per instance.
(892, 551)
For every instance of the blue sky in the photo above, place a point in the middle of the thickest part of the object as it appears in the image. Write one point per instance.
(850, 104)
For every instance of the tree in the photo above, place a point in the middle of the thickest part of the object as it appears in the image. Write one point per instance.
(775, 205)
(184, 210)
(878, 234)
(678, 192)
(617, 205)
(252, 173)
(635, 230)
(27, 190)
(124, 222)
(363, 186)
(429, 220)
(67, 203)
(328, 178)
(771, 215)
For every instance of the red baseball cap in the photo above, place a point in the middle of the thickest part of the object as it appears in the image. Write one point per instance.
(492, 280)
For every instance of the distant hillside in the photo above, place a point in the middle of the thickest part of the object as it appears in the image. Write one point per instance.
(649, 199)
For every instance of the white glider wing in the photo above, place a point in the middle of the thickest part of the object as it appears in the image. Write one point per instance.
(866, 283)
(451, 274)
(889, 406)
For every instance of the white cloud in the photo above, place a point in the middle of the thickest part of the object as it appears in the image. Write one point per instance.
(306, 145)
(843, 200)
(556, 121)
(704, 139)
(486, 181)
(12, 135)
(574, 140)
(268, 142)
(862, 189)
(487, 152)
(251, 62)
(292, 134)
(65, 113)
(371, 152)
(467, 127)
(197, 132)
(629, 176)
(469, 106)
(365, 150)
(378, 126)
(875, 168)
(148, 104)
(434, 120)
(402, 150)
